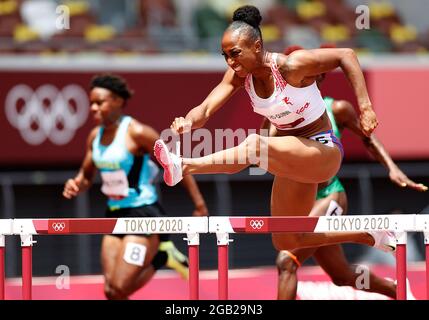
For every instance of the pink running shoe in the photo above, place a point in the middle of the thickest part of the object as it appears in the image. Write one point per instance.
(384, 240)
(171, 163)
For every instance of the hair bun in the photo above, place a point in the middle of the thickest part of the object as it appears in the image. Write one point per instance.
(248, 14)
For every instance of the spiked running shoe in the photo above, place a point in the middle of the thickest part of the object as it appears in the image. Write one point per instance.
(175, 259)
(384, 240)
(171, 163)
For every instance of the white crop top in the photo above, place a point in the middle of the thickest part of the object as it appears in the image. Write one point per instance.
(288, 107)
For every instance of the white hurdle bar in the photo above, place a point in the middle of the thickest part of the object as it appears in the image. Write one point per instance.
(222, 227)
(399, 224)
(191, 226)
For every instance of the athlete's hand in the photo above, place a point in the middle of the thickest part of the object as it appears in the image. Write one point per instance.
(181, 125)
(201, 211)
(400, 178)
(71, 188)
(368, 121)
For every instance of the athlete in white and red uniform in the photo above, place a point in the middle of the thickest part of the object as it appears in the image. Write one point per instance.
(285, 108)
(290, 107)
(306, 153)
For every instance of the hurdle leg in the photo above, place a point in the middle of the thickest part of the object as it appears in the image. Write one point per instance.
(27, 265)
(194, 265)
(426, 234)
(222, 247)
(401, 265)
(2, 270)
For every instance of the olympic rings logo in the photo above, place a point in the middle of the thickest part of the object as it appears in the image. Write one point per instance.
(58, 226)
(47, 113)
(256, 224)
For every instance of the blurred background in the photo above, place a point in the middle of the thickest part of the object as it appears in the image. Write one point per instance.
(169, 51)
(195, 26)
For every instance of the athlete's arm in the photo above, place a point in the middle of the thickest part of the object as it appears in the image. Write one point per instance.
(267, 125)
(85, 176)
(303, 64)
(198, 116)
(191, 186)
(346, 117)
(145, 136)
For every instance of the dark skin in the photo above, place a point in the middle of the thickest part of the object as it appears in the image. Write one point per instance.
(346, 118)
(106, 108)
(299, 164)
(122, 278)
(301, 68)
(331, 258)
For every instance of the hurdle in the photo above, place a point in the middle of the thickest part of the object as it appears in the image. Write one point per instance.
(6, 229)
(191, 226)
(399, 224)
(422, 225)
(222, 226)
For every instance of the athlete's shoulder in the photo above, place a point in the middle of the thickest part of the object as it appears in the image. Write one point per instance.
(135, 127)
(342, 106)
(140, 130)
(92, 135)
(295, 60)
(282, 61)
(231, 78)
(290, 66)
(343, 111)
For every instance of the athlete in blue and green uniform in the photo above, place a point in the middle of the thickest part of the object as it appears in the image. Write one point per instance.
(335, 184)
(119, 147)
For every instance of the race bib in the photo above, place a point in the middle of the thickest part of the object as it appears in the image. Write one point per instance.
(324, 138)
(334, 209)
(115, 184)
(135, 253)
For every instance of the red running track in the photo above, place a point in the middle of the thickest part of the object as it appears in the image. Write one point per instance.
(251, 284)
